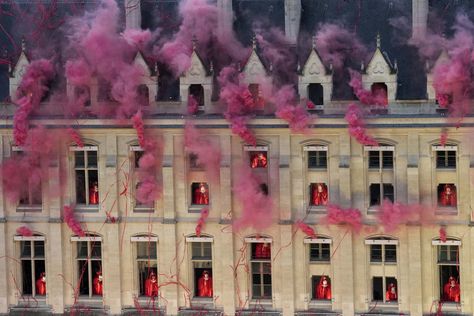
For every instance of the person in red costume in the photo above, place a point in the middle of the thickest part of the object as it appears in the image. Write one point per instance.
(452, 291)
(259, 160)
(319, 194)
(201, 195)
(94, 193)
(205, 285)
(151, 285)
(323, 290)
(262, 251)
(97, 289)
(448, 195)
(391, 294)
(41, 284)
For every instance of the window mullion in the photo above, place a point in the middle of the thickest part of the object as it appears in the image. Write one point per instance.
(89, 267)
(32, 255)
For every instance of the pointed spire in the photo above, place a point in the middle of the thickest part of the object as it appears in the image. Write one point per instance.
(23, 45)
(313, 42)
(378, 40)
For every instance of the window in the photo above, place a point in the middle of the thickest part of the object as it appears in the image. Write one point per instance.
(380, 159)
(379, 91)
(261, 270)
(263, 188)
(200, 193)
(82, 94)
(317, 159)
(320, 252)
(319, 194)
(136, 154)
(446, 159)
(258, 101)
(321, 287)
(143, 95)
(147, 265)
(448, 263)
(383, 269)
(194, 162)
(315, 93)
(447, 196)
(258, 159)
(383, 253)
(31, 193)
(104, 93)
(86, 174)
(197, 91)
(378, 190)
(201, 253)
(384, 289)
(33, 271)
(89, 265)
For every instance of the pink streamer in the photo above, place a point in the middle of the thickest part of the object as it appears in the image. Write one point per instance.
(339, 216)
(76, 138)
(24, 231)
(306, 229)
(202, 221)
(356, 126)
(72, 222)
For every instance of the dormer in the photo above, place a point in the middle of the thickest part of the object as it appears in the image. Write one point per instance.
(197, 81)
(315, 80)
(430, 90)
(147, 89)
(380, 74)
(18, 70)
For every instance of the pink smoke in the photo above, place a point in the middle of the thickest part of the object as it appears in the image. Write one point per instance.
(257, 208)
(24, 231)
(376, 97)
(442, 233)
(208, 153)
(306, 229)
(357, 127)
(72, 222)
(78, 72)
(76, 138)
(137, 38)
(202, 221)
(139, 127)
(297, 116)
(443, 139)
(32, 88)
(193, 105)
(338, 216)
(392, 215)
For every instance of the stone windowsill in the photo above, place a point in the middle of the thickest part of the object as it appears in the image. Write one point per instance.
(374, 305)
(87, 208)
(267, 303)
(31, 301)
(143, 209)
(195, 208)
(446, 211)
(320, 303)
(29, 208)
(317, 209)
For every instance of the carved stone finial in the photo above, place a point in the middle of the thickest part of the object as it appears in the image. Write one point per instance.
(254, 42)
(362, 66)
(23, 45)
(378, 40)
(298, 67)
(194, 40)
(211, 67)
(313, 42)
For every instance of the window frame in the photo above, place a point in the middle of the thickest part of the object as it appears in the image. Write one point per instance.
(32, 258)
(450, 244)
(382, 150)
(89, 240)
(381, 193)
(85, 149)
(134, 171)
(318, 149)
(200, 262)
(17, 151)
(447, 149)
(137, 241)
(261, 263)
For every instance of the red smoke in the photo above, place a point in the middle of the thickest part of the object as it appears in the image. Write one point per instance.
(193, 105)
(76, 138)
(306, 229)
(202, 221)
(338, 216)
(24, 231)
(297, 116)
(442, 233)
(357, 127)
(377, 97)
(72, 222)
(392, 215)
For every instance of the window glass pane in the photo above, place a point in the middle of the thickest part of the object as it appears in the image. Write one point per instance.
(377, 288)
(451, 161)
(97, 284)
(267, 291)
(80, 187)
(391, 289)
(388, 192)
(374, 159)
(375, 253)
(390, 253)
(39, 249)
(374, 194)
(79, 159)
(317, 159)
(83, 277)
(137, 155)
(202, 250)
(96, 250)
(442, 253)
(82, 250)
(25, 249)
(146, 250)
(92, 159)
(26, 277)
(453, 254)
(387, 159)
(326, 251)
(314, 252)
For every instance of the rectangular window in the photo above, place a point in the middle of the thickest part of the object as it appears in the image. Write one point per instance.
(378, 190)
(376, 253)
(321, 287)
(380, 159)
(201, 257)
(200, 193)
(319, 252)
(147, 265)
(33, 268)
(89, 268)
(86, 174)
(194, 162)
(261, 270)
(317, 159)
(447, 196)
(448, 263)
(384, 289)
(383, 253)
(31, 192)
(137, 154)
(446, 159)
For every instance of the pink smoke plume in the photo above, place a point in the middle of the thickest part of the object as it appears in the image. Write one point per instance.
(392, 215)
(138, 38)
(356, 126)
(76, 138)
(337, 216)
(78, 72)
(442, 233)
(376, 97)
(443, 139)
(202, 221)
(257, 208)
(32, 88)
(72, 222)
(193, 105)
(305, 228)
(240, 105)
(208, 154)
(24, 231)
(139, 127)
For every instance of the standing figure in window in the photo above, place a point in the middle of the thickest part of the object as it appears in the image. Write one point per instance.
(201, 195)
(262, 251)
(448, 195)
(97, 289)
(323, 290)
(452, 291)
(259, 160)
(391, 294)
(94, 193)
(151, 285)
(205, 285)
(41, 284)
(319, 194)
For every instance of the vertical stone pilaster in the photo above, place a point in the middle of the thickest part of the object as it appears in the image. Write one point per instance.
(284, 179)
(287, 272)
(292, 19)
(415, 295)
(133, 15)
(419, 18)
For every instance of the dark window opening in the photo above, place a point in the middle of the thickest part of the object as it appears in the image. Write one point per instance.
(197, 91)
(315, 93)
(390, 253)
(446, 159)
(376, 253)
(263, 188)
(86, 173)
(201, 253)
(89, 268)
(378, 190)
(258, 159)
(143, 94)
(319, 194)
(321, 286)
(82, 95)
(147, 268)
(317, 159)
(447, 196)
(390, 294)
(200, 193)
(258, 102)
(319, 252)
(379, 91)
(168, 85)
(450, 284)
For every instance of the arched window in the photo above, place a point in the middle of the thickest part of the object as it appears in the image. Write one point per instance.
(261, 267)
(86, 174)
(89, 265)
(201, 259)
(315, 93)
(146, 264)
(33, 268)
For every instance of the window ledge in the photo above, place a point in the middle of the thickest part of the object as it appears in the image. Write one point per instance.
(320, 262)
(143, 209)
(91, 301)
(27, 300)
(195, 208)
(264, 301)
(446, 211)
(206, 302)
(317, 209)
(320, 303)
(29, 208)
(372, 210)
(87, 208)
(384, 305)
(451, 306)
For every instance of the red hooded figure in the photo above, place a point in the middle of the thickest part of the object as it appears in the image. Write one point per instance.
(41, 284)
(323, 290)
(97, 288)
(319, 194)
(205, 285)
(452, 291)
(391, 294)
(448, 196)
(201, 195)
(94, 194)
(258, 160)
(151, 285)
(263, 251)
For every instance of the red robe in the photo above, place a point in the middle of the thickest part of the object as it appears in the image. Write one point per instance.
(452, 293)
(151, 287)
(391, 296)
(93, 196)
(40, 286)
(262, 251)
(201, 198)
(205, 287)
(320, 198)
(323, 292)
(448, 199)
(259, 162)
(97, 286)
